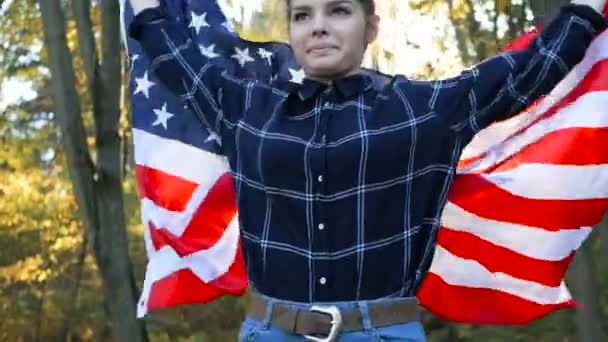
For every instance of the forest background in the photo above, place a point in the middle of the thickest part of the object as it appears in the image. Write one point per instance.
(72, 256)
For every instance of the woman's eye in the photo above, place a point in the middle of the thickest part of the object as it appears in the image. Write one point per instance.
(299, 16)
(341, 11)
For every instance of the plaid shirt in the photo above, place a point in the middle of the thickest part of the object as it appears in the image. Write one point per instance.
(340, 187)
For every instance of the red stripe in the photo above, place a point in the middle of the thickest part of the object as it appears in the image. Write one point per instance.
(207, 225)
(585, 147)
(500, 259)
(595, 80)
(165, 190)
(184, 287)
(480, 305)
(477, 195)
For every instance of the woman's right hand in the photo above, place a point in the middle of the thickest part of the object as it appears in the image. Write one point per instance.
(140, 5)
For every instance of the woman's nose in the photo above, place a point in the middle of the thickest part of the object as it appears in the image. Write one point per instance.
(319, 27)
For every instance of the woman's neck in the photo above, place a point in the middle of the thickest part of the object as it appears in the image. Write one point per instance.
(329, 79)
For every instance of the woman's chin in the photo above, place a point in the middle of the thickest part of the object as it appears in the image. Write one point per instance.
(326, 70)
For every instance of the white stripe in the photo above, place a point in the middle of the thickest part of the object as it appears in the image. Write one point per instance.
(469, 273)
(521, 239)
(559, 182)
(178, 159)
(496, 133)
(588, 111)
(175, 222)
(208, 264)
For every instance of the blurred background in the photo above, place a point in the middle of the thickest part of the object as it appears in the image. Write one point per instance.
(72, 256)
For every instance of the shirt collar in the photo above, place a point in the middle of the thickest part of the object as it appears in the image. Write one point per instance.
(346, 87)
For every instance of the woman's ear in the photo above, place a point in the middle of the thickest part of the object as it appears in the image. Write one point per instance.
(373, 25)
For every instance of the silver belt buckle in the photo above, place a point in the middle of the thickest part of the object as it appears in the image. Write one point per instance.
(336, 323)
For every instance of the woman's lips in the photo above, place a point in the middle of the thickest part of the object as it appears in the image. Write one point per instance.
(320, 50)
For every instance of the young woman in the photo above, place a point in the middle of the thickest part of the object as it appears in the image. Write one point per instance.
(340, 182)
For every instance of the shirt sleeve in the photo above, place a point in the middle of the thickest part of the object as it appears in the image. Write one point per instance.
(180, 66)
(506, 84)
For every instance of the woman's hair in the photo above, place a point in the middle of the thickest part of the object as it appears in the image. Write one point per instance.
(369, 6)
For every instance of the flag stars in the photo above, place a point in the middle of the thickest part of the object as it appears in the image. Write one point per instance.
(198, 21)
(162, 116)
(209, 51)
(143, 85)
(297, 76)
(265, 55)
(242, 56)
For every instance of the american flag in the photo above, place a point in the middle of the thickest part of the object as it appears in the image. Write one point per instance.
(526, 195)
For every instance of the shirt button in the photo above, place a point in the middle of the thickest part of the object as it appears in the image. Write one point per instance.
(322, 281)
(321, 226)
(327, 104)
(324, 138)
(320, 179)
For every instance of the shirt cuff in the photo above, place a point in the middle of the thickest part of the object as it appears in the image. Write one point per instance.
(596, 19)
(147, 16)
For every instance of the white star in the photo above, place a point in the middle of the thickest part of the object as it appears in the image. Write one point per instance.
(198, 21)
(242, 56)
(162, 116)
(213, 137)
(143, 85)
(266, 55)
(208, 51)
(297, 76)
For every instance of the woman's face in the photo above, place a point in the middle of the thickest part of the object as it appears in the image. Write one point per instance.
(329, 37)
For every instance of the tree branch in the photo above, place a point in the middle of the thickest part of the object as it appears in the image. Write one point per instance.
(86, 38)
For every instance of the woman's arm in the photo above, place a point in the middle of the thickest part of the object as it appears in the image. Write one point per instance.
(180, 66)
(505, 85)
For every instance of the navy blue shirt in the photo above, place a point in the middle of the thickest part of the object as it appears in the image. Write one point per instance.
(340, 186)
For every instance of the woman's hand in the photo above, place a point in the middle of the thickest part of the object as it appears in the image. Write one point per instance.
(597, 5)
(140, 5)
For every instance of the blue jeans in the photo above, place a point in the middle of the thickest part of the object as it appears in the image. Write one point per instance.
(262, 331)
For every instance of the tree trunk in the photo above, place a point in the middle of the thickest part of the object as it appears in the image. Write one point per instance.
(111, 245)
(40, 316)
(98, 190)
(602, 229)
(461, 36)
(585, 288)
(70, 310)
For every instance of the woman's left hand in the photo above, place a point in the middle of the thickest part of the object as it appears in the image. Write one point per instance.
(597, 5)
(140, 5)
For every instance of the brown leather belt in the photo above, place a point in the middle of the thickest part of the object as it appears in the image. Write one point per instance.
(324, 323)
